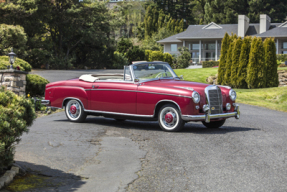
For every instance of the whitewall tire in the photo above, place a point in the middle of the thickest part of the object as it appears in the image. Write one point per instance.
(169, 118)
(75, 111)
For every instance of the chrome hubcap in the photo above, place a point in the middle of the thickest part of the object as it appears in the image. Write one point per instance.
(73, 109)
(169, 118)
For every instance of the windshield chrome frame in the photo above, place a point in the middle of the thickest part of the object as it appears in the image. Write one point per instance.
(163, 63)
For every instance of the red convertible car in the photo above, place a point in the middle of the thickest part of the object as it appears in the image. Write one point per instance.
(145, 91)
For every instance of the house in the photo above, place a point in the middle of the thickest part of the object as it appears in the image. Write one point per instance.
(204, 41)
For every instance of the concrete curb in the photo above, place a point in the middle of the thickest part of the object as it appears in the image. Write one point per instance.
(8, 176)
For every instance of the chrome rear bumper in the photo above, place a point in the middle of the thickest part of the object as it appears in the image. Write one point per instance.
(45, 102)
(207, 116)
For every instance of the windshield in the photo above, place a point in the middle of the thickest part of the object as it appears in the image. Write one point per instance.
(152, 71)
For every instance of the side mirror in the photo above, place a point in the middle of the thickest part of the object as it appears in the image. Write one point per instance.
(137, 80)
(181, 77)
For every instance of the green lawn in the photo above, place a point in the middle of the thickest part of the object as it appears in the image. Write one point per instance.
(197, 75)
(272, 98)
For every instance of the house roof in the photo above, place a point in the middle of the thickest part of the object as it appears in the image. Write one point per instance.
(276, 30)
(214, 31)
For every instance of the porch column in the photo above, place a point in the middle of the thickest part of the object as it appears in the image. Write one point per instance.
(216, 50)
(277, 46)
(199, 59)
(163, 48)
(183, 43)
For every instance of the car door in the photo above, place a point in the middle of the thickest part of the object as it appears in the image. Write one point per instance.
(114, 96)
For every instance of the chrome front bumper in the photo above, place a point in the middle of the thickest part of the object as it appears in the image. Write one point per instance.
(45, 102)
(207, 116)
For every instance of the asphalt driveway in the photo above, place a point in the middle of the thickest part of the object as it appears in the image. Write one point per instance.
(104, 155)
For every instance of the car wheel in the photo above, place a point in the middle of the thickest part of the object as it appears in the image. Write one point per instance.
(169, 118)
(214, 124)
(120, 120)
(75, 111)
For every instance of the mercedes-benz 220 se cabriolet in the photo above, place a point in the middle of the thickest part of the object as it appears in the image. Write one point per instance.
(145, 91)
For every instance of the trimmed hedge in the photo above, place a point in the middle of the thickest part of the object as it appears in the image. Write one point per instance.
(207, 64)
(24, 66)
(282, 57)
(35, 85)
(167, 57)
(156, 56)
(16, 114)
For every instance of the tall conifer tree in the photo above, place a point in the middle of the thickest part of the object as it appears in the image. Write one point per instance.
(243, 63)
(256, 72)
(227, 79)
(222, 62)
(271, 64)
(235, 61)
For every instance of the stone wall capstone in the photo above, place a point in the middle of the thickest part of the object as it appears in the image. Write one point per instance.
(14, 80)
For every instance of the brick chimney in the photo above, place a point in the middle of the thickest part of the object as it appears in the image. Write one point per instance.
(265, 21)
(243, 25)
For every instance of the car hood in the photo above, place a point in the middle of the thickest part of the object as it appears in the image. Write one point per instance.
(199, 87)
(178, 84)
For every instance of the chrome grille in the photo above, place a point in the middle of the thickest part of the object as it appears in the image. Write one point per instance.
(215, 100)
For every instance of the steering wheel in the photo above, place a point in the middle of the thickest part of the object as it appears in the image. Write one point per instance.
(161, 74)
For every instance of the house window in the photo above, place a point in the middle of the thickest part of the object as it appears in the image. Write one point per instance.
(173, 47)
(284, 45)
(211, 46)
(284, 52)
(195, 46)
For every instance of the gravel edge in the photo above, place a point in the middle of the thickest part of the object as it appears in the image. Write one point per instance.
(8, 176)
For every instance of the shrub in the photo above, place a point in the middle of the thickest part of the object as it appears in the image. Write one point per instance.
(156, 56)
(24, 66)
(281, 57)
(235, 61)
(271, 63)
(207, 64)
(222, 62)
(135, 54)
(167, 57)
(119, 60)
(184, 57)
(243, 63)
(124, 45)
(147, 54)
(36, 85)
(16, 114)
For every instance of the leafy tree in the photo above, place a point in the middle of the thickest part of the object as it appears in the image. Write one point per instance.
(184, 57)
(64, 32)
(12, 36)
(235, 61)
(223, 56)
(271, 63)
(243, 63)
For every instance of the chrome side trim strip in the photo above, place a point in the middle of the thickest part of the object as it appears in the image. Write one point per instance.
(137, 92)
(116, 113)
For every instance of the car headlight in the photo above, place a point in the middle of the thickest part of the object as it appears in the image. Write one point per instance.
(195, 97)
(232, 95)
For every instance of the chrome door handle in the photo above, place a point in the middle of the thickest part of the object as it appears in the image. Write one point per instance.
(95, 86)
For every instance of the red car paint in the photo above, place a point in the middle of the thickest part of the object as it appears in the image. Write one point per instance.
(133, 98)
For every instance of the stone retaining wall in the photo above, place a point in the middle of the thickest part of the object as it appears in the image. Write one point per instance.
(282, 75)
(14, 80)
